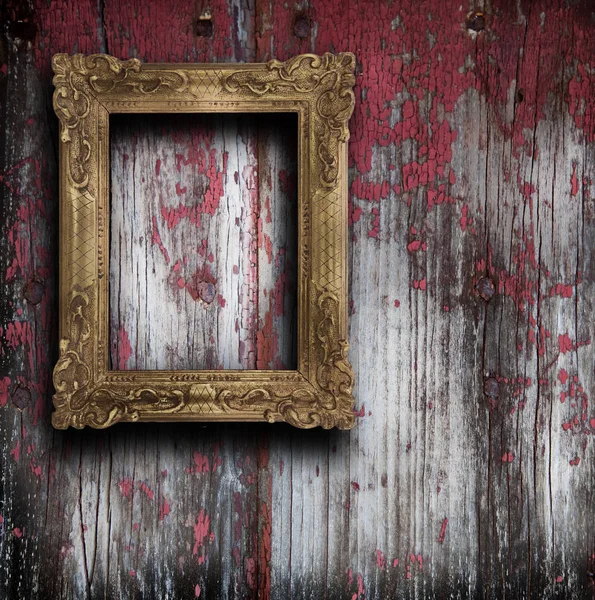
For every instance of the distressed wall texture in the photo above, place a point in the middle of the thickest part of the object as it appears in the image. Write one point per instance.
(472, 254)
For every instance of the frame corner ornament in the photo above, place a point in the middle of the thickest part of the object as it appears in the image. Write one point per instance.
(320, 391)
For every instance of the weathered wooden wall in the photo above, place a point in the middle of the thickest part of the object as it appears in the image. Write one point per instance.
(470, 470)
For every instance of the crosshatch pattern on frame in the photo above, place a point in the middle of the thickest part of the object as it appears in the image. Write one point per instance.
(319, 391)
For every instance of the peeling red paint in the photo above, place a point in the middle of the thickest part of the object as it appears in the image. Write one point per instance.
(4, 388)
(157, 240)
(201, 532)
(443, 531)
(164, 509)
(126, 486)
(146, 490)
(124, 349)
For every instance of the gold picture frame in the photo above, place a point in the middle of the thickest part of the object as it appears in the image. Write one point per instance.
(319, 392)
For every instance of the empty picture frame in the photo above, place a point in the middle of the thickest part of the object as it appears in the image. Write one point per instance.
(90, 88)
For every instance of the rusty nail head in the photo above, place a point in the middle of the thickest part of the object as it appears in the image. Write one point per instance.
(491, 387)
(33, 291)
(204, 26)
(21, 397)
(476, 21)
(485, 288)
(301, 26)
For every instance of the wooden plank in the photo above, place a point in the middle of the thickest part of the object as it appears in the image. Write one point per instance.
(469, 471)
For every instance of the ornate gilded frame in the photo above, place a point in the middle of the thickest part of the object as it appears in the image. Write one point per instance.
(87, 90)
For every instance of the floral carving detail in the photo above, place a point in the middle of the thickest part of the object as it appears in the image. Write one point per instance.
(78, 79)
(308, 407)
(77, 401)
(331, 77)
(334, 374)
(88, 88)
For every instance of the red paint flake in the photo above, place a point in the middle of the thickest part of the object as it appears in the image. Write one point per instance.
(380, 560)
(575, 461)
(158, 167)
(361, 412)
(465, 220)
(507, 457)
(126, 487)
(397, 304)
(201, 464)
(355, 212)
(419, 284)
(563, 376)
(146, 490)
(4, 387)
(250, 564)
(443, 531)
(201, 532)
(266, 343)
(35, 469)
(124, 349)
(221, 300)
(355, 486)
(132, 573)
(156, 239)
(559, 579)
(395, 563)
(372, 192)
(164, 509)
(564, 291)
(18, 532)
(414, 246)
(564, 343)
(375, 224)
(236, 270)
(197, 591)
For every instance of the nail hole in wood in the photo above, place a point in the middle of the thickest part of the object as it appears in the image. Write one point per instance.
(475, 21)
(301, 26)
(204, 25)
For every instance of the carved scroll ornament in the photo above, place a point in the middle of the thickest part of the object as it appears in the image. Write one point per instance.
(319, 392)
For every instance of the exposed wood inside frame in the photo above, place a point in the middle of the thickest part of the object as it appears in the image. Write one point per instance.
(319, 392)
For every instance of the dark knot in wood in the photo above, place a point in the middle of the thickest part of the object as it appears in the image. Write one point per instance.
(485, 288)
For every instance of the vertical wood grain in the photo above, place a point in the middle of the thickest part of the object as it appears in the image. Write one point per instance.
(469, 472)
(203, 242)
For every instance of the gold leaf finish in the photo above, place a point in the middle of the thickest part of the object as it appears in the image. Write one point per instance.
(320, 391)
